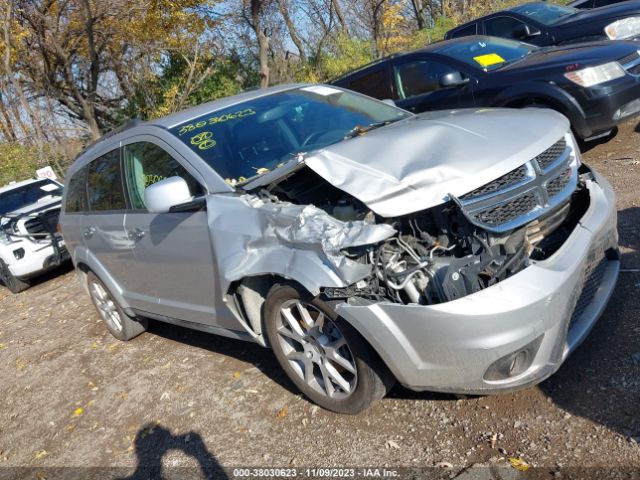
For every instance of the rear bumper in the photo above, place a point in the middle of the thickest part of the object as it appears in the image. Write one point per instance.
(552, 304)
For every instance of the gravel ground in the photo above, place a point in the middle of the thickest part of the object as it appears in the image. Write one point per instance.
(71, 395)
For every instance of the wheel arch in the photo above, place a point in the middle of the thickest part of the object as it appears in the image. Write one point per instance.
(556, 98)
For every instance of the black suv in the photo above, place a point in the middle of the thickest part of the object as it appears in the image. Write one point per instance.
(595, 85)
(547, 24)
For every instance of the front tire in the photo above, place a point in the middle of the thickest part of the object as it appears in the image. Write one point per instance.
(322, 354)
(14, 284)
(119, 324)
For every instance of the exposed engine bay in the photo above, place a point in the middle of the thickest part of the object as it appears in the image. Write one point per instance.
(437, 255)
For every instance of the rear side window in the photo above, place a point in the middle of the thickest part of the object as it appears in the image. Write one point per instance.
(466, 31)
(104, 183)
(77, 193)
(375, 84)
(145, 164)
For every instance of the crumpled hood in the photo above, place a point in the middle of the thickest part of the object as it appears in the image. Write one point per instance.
(415, 164)
(44, 205)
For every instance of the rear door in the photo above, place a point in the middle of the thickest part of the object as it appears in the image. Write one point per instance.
(418, 82)
(102, 230)
(173, 254)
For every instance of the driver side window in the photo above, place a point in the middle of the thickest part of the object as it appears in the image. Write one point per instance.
(145, 164)
(420, 77)
(502, 27)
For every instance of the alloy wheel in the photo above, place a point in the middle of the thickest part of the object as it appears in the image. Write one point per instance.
(316, 349)
(106, 306)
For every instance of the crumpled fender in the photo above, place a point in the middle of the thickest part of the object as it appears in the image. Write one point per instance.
(251, 237)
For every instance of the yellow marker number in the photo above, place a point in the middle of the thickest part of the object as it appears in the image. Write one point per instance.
(203, 140)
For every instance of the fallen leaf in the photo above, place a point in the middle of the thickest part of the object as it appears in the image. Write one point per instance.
(237, 375)
(77, 412)
(40, 454)
(2, 346)
(519, 464)
(392, 444)
(282, 412)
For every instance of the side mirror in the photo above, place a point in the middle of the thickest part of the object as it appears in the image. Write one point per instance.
(523, 31)
(389, 101)
(452, 79)
(165, 194)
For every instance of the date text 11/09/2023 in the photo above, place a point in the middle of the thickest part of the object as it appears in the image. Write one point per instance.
(368, 472)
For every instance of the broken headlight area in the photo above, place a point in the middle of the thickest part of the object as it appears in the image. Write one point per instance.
(443, 253)
(439, 256)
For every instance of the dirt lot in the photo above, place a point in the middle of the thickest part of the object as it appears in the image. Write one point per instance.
(71, 395)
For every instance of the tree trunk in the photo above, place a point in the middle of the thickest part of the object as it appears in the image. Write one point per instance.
(35, 120)
(295, 38)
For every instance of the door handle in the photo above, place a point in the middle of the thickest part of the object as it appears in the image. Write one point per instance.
(136, 234)
(88, 233)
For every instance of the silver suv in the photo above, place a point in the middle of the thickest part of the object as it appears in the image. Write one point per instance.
(459, 251)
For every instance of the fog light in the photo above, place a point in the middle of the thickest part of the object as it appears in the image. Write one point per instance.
(515, 363)
(19, 253)
(630, 108)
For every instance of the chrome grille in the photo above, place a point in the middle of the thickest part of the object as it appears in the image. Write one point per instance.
(551, 154)
(631, 63)
(509, 210)
(524, 193)
(556, 185)
(594, 273)
(512, 178)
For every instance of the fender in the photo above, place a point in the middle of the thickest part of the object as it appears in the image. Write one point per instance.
(555, 96)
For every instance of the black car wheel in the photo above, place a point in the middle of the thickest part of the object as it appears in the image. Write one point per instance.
(14, 284)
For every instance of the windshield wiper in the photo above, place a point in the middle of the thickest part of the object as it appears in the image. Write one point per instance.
(358, 130)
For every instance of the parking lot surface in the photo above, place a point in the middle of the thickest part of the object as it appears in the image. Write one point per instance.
(71, 395)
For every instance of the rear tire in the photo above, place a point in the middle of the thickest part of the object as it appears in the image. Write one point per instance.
(324, 356)
(119, 324)
(14, 284)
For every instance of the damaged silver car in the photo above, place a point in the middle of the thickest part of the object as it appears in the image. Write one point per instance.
(459, 251)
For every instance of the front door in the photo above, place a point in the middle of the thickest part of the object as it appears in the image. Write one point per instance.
(419, 87)
(173, 251)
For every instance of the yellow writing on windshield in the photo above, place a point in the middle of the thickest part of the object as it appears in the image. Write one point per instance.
(203, 140)
(489, 59)
(213, 120)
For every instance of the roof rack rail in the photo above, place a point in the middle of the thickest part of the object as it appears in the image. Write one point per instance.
(130, 124)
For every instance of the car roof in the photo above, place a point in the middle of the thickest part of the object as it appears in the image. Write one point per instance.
(22, 183)
(435, 47)
(185, 115)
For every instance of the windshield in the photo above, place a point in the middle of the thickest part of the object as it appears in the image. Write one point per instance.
(26, 195)
(488, 54)
(545, 13)
(259, 135)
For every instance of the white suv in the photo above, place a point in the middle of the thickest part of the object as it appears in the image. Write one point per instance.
(29, 243)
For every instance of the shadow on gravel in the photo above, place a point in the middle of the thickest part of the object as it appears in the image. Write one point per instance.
(253, 353)
(57, 272)
(601, 380)
(153, 442)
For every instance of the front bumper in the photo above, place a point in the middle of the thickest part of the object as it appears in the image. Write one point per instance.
(605, 107)
(38, 258)
(449, 347)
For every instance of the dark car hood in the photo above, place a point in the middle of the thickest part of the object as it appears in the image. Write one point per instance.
(581, 54)
(609, 12)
